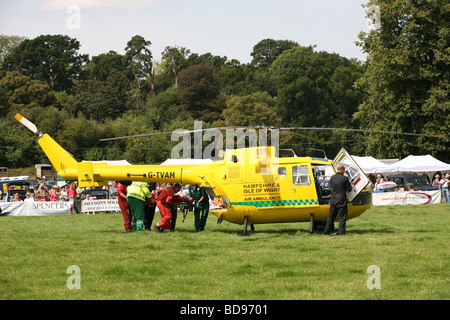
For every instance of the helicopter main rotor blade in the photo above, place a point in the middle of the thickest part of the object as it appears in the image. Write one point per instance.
(310, 138)
(272, 128)
(135, 136)
(362, 130)
(180, 132)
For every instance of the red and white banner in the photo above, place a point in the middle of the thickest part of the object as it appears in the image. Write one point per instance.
(404, 198)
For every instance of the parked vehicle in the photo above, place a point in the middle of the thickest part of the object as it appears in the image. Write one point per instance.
(94, 194)
(19, 187)
(418, 182)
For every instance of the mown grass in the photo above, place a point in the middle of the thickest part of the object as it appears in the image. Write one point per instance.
(410, 244)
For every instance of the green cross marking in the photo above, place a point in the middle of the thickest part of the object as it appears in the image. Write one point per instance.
(277, 203)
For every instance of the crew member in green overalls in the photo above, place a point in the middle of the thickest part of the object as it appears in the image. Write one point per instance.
(201, 204)
(136, 194)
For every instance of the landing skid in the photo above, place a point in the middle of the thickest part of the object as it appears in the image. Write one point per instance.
(313, 225)
(252, 227)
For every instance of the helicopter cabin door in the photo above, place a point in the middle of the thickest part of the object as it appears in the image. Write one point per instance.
(357, 177)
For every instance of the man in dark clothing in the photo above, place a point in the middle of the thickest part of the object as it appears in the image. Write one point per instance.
(339, 185)
(201, 205)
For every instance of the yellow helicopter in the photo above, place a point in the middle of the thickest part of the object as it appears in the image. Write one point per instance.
(253, 184)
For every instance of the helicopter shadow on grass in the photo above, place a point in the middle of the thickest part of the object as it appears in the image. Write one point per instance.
(265, 232)
(272, 232)
(298, 232)
(370, 231)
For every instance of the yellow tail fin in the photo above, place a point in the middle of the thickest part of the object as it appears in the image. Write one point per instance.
(62, 161)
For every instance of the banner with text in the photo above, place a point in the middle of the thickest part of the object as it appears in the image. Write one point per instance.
(404, 198)
(36, 208)
(100, 205)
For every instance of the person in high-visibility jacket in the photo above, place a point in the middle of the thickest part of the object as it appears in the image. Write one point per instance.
(167, 197)
(136, 194)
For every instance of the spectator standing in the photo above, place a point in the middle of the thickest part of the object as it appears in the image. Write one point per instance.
(444, 188)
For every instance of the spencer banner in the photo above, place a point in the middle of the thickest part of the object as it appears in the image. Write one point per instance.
(405, 198)
(35, 208)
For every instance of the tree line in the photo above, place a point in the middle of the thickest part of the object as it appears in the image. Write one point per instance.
(403, 86)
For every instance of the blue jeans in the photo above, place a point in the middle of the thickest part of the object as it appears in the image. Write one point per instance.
(445, 194)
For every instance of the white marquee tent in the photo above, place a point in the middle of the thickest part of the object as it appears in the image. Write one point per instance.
(371, 165)
(425, 163)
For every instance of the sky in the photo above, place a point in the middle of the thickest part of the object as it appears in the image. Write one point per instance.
(228, 28)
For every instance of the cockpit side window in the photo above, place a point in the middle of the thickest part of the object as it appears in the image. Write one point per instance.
(300, 175)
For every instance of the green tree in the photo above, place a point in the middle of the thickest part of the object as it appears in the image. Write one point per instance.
(49, 119)
(232, 74)
(258, 108)
(19, 92)
(99, 100)
(53, 59)
(150, 149)
(175, 59)
(264, 54)
(18, 148)
(233, 78)
(407, 80)
(81, 137)
(315, 88)
(199, 94)
(267, 51)
(8, 44)
(140, 60)
(164, 107)
(101, 66)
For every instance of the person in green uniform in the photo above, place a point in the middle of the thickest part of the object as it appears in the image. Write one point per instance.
(136, 194)
(201, 205)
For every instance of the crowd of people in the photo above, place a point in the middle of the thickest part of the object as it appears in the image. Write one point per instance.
(137, 201)
(441, 183)
(67, 193)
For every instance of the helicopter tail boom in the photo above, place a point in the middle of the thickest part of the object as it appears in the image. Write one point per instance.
(100, 173)
(62, 161)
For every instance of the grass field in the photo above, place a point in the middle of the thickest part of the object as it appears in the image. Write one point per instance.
(409, 244)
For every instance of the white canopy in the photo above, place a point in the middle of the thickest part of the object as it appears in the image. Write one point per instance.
(425, 163)
(371, 165)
